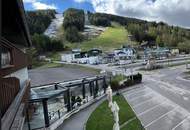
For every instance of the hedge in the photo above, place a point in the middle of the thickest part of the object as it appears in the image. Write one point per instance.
(130, 81)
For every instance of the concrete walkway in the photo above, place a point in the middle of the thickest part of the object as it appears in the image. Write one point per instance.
(78, 121)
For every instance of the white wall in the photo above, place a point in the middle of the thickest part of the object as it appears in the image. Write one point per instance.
(21, 74)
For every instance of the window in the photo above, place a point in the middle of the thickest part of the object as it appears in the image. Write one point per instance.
(5, 57)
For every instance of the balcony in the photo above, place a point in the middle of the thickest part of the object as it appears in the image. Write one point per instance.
(13, 100)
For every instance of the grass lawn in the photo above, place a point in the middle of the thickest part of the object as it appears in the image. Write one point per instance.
(102, 118)
(111, 38)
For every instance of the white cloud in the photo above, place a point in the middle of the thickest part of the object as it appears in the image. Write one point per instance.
(39, 5)
(79, 1)
(36, 4)
(29, 1)
(175, 12)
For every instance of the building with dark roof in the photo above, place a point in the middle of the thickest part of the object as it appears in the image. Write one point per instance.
(14, 81)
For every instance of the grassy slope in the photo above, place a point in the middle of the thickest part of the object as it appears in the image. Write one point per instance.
(102, 118)
(112, 38)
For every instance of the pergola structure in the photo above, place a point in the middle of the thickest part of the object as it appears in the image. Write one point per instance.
(55, 100)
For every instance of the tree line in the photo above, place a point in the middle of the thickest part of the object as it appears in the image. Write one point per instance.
(103, 19)
(73, 23)
(161, 34)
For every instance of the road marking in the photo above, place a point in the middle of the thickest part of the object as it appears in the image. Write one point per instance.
(137, 97)
(185, 98)
(161, 117)
(140, 114)
(170, 87)
(175, 90)
(134, 91)
(144, 102)
(181, 122)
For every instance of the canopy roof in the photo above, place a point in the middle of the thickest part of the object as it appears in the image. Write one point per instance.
(47, 92)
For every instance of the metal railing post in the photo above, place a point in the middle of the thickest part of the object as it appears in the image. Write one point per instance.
(45, 109)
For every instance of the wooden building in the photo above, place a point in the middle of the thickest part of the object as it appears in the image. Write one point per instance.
(14, 81)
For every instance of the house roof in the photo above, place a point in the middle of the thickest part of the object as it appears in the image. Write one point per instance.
(14, 25)
(147, 43)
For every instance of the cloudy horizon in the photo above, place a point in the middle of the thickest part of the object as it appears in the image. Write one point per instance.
(172, 12)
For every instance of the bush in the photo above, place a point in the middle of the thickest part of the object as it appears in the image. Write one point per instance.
(43, 43)
(114, 84)
(56, 45)
(131, 80)
(98, 20)
(136, 78)
(184, 47)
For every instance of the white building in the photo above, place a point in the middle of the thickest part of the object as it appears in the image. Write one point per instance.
(125, 53)
(90, 57)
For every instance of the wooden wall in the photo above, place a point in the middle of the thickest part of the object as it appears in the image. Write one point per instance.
(19, 59)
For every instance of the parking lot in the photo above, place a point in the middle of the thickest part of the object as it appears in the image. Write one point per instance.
(157, 112)
(51, 75)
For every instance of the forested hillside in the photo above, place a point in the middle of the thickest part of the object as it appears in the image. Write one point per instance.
(74, 19)
(160, 33)
(39, 20)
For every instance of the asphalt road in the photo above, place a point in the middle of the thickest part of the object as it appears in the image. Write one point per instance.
(163, 100)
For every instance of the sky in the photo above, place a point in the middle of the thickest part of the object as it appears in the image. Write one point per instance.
(173, 12)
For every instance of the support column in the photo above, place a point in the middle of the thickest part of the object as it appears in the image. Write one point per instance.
(68, 100)
(104, 84)
(91, 84)
(56, 86)
(45, 108)
(83, 90)
(94, 90)
(96, 87)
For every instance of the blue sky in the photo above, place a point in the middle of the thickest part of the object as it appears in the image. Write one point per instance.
(173, 12)
(60, 5)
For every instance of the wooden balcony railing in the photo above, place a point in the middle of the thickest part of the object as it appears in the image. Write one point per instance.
(9, 88)
(13, 102)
